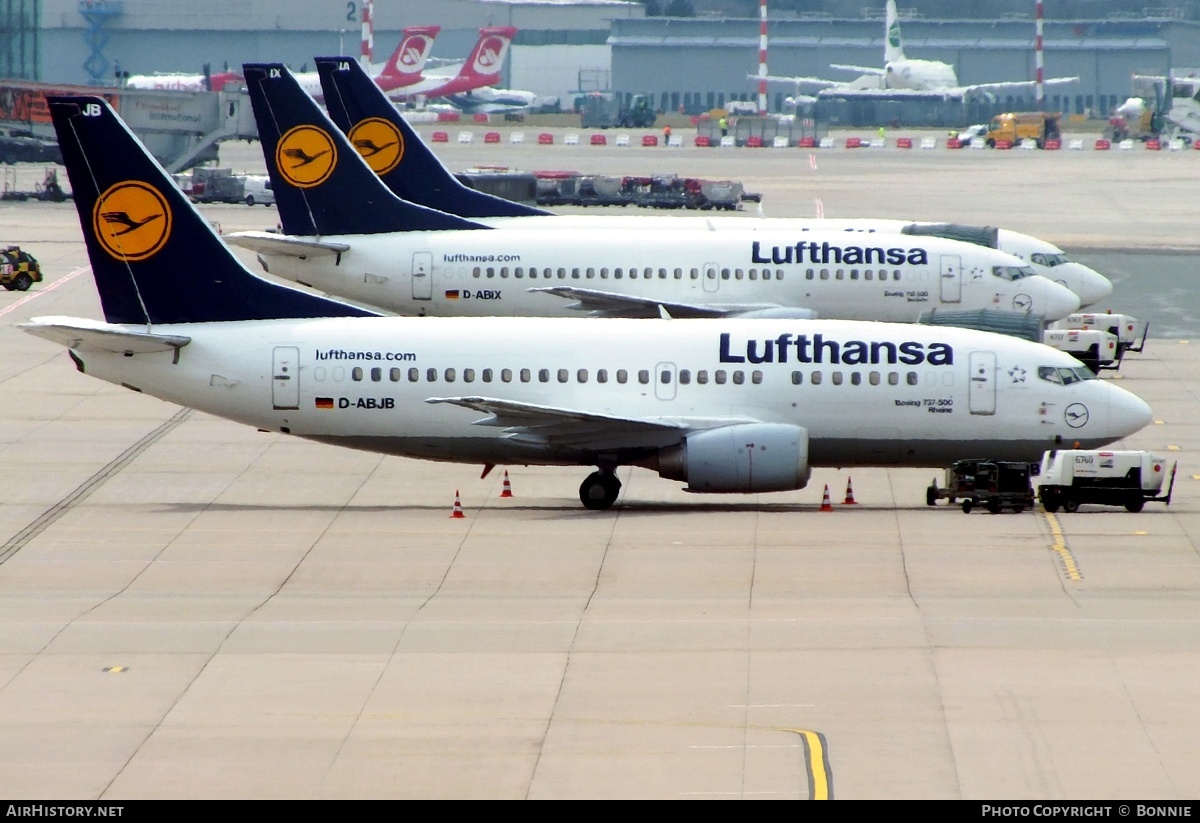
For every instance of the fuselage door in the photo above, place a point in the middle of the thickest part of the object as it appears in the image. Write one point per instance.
(422, 275)
(951, 278)
(664, 381)
(712, 277)
(285, 378)
(982, 392)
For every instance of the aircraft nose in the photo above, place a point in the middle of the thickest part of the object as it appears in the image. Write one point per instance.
(1060, 301)
(1127, 412)
(1089, 284)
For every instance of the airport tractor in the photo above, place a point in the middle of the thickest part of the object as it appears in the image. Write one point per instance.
(604, 109)
(1110, 478)
(18, 269)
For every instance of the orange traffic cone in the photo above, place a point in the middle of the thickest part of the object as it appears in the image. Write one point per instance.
(826, 506)
(507, 492)
(849, 501)
(457, 512)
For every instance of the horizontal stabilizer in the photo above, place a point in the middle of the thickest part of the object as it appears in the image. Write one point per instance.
(265, 242)
(84, 335)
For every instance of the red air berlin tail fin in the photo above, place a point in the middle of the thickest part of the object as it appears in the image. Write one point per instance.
(407, 62)
(484, 63)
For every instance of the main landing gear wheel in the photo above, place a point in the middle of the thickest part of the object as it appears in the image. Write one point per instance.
(599, 490)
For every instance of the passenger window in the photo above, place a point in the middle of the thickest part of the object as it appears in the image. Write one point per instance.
(603, 274)
(724, 274)
(855, 378)
(662, 274)
(702, 377)
(756, 377)
(574, 274)
(809, 274)
(617, 274)
(376, 374)
(665, 377)
(431, 375)
(504, 271)
(506, 375)
(449, 375)
(622, 376)
(414, 375)
(824, 274)
(685, 377)
(815, 378)
(394, 375)
(719, 377)
(836, 377)
(543, 375)
(475, 272)
(695, 274)
(913, 379)
(581, 376)
(563, 375)
(893, 378)
(644, 376)
(356, 373)
(562, 274)
(875, 378)
(468, 375)
(591, 273)
(678, 274)
(491, 272)
(319, 373)
(601, 375)
(737, 274)
(739, 377)
(853, 274)
(487, 375)
(526, 375)
(778, 274)
(797, 378)
(841, 274)
(518, 272)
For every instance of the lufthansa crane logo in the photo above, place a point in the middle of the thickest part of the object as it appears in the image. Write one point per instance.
(1076, 415)
(132, 221)
(1022, 302)
(306, 156)
(379, 142)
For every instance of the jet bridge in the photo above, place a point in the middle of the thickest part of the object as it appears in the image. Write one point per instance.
(180, 128)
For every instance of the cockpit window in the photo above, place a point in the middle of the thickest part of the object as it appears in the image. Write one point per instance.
(1065, 376)
(1012, 272)
(1049, 260)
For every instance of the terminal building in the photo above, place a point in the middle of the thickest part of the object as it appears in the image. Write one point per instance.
(565, 47)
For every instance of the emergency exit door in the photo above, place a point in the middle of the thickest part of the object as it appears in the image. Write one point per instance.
(982, 393)
(951, 278)
(422, 275)
(712, 277)
(285, 380)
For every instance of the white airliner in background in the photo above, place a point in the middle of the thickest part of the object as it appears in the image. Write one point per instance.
(903, 74)
(347, 234)
(723, 405)
(419, 177)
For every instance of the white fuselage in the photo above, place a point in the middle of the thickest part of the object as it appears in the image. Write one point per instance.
(864, 393)
(1043, 257)
(492, 272)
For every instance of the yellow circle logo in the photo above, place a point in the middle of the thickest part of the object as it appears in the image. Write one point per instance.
(305, 156)
(379, 142)
(132, 221)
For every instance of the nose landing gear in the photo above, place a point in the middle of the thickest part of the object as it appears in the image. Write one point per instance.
(599, 490)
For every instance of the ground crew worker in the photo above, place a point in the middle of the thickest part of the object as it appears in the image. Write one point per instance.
(724, 126)
(666, 135)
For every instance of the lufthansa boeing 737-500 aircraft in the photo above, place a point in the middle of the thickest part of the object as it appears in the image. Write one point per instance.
(724, 405)
(347, 234)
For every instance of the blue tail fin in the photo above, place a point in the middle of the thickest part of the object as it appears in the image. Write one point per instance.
(322, 185)
(155, 259)
(394, 150)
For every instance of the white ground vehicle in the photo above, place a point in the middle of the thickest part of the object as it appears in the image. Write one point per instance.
(1110, 478)
(257, 190)
(1095, 348)
(1123, 326)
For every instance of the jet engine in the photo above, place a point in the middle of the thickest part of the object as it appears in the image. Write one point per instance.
(747, 457)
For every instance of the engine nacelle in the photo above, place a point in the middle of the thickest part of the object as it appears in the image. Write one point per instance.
(748, 457)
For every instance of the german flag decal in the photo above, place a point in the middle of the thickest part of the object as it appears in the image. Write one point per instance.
(324, 402)
(452, 294)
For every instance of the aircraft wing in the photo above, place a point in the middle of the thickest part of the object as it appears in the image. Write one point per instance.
(798, 82)
(1015, 85)
(598, 303)
(266, 242)
(78, 333)
(539, 424)
(860, 69)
